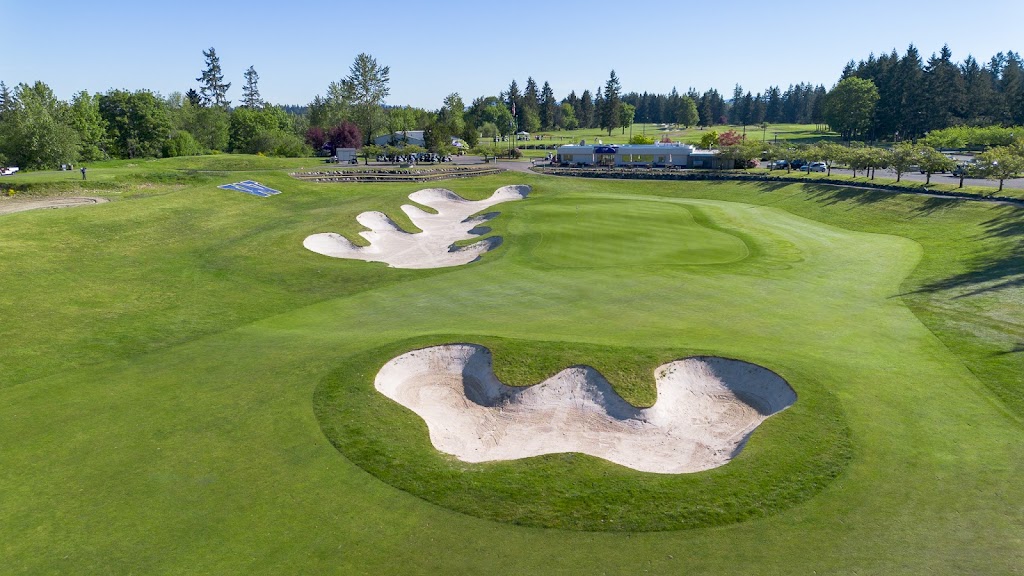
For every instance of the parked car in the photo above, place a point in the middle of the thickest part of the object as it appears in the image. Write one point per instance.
(8, 171)
(798, 164)
(815, 167)
(967, 170)
(779, 165)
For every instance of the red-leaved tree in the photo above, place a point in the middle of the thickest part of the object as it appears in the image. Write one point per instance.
(316, 137)
(729, 138)
(345, 135)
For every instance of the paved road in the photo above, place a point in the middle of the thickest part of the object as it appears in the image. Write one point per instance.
(915, 176)
(513, 165)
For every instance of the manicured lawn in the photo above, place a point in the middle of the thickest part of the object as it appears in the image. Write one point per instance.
(805, 133)
(185, 389)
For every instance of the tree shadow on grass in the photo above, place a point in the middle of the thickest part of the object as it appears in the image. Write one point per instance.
(832, 194)
(835, 194)
(767, 187)
(827, 194)
(1001, 267)
(1015, 350)
(935, 204)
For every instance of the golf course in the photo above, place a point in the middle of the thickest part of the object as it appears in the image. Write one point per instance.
(185, 388)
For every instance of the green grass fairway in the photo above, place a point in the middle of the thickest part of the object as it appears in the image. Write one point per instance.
(185, 389)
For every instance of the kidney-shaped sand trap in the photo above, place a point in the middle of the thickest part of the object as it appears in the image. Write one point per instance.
(707, 407)
(432, 248)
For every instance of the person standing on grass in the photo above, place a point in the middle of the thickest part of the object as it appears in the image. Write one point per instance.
(83, 172)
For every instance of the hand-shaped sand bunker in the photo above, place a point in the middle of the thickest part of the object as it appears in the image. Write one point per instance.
(434, 247)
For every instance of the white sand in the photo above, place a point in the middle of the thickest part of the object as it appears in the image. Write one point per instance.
(11, 205)
(707, 407)
(432, 248)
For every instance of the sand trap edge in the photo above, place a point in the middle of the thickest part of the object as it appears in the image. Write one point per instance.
(707, 409)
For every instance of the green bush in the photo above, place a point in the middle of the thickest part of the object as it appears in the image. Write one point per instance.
(290, 146)
(181, 143)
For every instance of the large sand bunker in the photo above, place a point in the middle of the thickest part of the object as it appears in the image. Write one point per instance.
(707, 407)
(432, 248)
(20, 205)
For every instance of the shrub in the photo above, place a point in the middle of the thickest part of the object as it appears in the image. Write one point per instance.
(290, 146)
(182, 143)
(278, 143)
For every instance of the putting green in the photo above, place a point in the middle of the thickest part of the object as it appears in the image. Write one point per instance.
(595, 232)
(172, 364)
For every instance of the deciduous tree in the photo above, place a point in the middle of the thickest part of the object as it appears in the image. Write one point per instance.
(931, 161)
(85, 118)
(626, 114)
(451, 114)
(569, 120)
(365, 88)
(850, 106)
(34, 128)
(1001, 163)
(709, 140)
(344, 135)
(901, 158)
(316, 137)
(730, 138)
(137, 122)
(830, 153)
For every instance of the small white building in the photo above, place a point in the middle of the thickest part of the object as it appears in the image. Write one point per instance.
(345, 155)
(659, 155)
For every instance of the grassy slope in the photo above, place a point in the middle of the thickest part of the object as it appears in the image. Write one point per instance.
(140, 436)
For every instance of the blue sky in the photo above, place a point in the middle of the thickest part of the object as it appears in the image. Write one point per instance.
(477, 48)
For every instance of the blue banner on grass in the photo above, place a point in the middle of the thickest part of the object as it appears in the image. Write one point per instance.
(251, 187)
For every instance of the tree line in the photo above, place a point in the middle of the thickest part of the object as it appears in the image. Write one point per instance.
(38, 130)
(890, 97)
(913, 97)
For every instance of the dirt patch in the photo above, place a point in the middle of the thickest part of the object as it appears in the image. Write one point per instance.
(11, 205)
(707, 408)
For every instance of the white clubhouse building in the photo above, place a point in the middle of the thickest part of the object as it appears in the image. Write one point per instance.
(659, 155)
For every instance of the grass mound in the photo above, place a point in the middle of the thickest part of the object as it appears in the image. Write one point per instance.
(790, 458)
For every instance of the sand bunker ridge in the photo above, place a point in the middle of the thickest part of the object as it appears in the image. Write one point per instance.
(706, 409)
(434, 247)
(10, 206)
